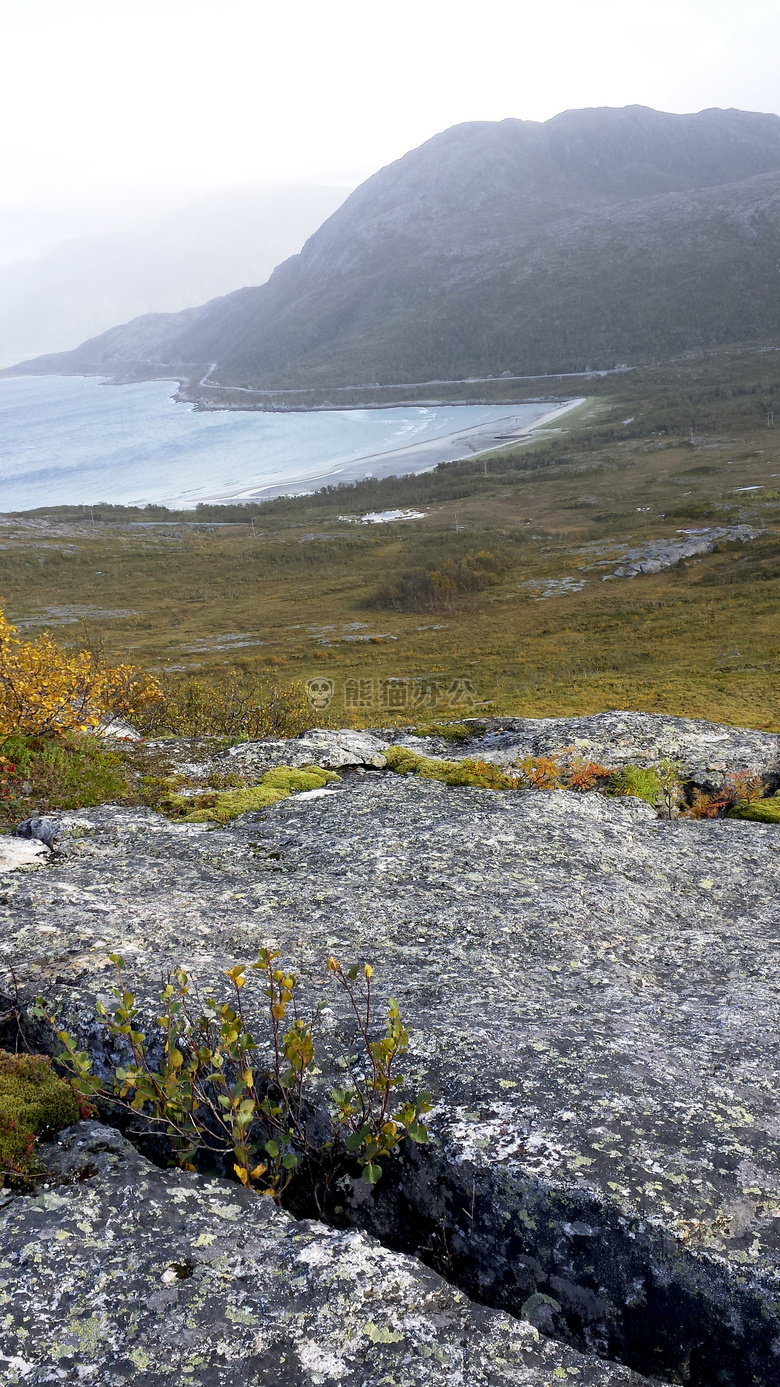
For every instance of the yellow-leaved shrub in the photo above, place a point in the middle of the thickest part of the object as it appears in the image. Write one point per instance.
(45, 690)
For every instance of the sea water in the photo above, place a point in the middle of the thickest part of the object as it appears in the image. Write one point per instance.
(68, 440)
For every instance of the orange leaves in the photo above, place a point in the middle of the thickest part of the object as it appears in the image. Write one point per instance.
(586, 775)
(543, 772)
(705, 806)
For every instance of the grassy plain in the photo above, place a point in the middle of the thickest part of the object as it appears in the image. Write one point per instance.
(658, 451)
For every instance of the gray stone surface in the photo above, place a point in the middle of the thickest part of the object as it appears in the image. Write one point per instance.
(15, 853)
(321, 747)
(705, 750)
(592, 995)
(121, 1273)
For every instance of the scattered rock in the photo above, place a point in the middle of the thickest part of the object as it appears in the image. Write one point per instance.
(120, 730)
(706, 751)
(51, 829)
(665, 553)
(320, 747)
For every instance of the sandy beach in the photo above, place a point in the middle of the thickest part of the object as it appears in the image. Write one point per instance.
(414, 458)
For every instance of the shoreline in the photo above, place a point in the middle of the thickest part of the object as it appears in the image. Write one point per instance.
(431, 453)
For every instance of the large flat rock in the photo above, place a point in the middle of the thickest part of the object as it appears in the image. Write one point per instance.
(122, 1273)
(593, 999)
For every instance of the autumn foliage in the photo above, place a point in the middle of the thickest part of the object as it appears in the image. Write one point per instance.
(46, 690)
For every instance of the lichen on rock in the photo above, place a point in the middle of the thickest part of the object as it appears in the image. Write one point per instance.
(591, 995)
(131, 1274)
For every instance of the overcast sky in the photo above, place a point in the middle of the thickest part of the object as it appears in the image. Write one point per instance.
(105, 104)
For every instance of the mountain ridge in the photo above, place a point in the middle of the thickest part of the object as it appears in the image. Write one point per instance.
(598, 236)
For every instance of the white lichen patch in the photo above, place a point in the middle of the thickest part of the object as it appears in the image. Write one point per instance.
(293, 1302)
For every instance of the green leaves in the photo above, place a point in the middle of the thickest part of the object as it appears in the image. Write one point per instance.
(417, 1132)
(205, 1091)
(373, 1130)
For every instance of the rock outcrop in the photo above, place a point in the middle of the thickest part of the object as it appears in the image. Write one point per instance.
(118, 1272)
(591, 994)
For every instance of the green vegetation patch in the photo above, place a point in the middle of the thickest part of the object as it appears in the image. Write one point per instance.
(220, 806)
(481, 774)
(763, 811)
(34, 1103)
(643, 782)
(433, 587)
(66, 772)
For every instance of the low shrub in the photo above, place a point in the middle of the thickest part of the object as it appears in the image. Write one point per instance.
(424, 589)
(659, 785)
(704, 806)
(582, 776)
(643, 782)
(199, 1081)
(45, 690)
(741, 791)
(34, 1103)
(542, 772)
(187, 707)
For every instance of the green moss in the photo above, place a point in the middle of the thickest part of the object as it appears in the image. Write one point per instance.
(481, 774)
(224, 805)
(762, 811)
(34, 1102)
(641, 781)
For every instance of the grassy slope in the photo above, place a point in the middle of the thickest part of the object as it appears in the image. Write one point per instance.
(701, 639)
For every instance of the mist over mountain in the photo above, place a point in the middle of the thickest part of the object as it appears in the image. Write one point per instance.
(599, 236)
(85, 285)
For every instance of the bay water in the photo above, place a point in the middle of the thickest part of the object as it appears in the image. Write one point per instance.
(69, 440)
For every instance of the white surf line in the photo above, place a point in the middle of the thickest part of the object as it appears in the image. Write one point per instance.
(471, 439)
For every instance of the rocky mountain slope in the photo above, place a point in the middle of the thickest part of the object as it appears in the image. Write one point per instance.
(591, 996)
(598, 236)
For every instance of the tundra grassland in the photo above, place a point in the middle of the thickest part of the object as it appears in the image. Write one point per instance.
(494, 601)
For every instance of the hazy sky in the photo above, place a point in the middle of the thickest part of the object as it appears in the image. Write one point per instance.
(160, 99)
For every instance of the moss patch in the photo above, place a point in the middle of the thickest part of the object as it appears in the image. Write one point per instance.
(221, 806)
(762, 811)
(34, 1102)
(481, 774)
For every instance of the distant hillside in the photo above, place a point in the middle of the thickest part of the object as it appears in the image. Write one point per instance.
(86, 285)
(598, 236)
